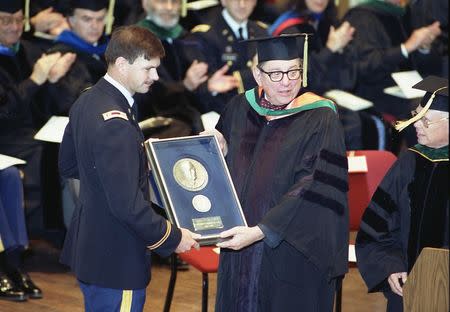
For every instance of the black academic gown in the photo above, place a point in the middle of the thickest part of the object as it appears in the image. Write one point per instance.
(84, 73)
(409, 211)
(168, 96)
(376, 53)
(18, 102)
(290, 175)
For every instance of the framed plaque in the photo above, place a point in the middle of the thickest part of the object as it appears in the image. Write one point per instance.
(194, 185)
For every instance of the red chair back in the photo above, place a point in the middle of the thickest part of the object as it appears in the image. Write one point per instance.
(362, 186)
(205, 259)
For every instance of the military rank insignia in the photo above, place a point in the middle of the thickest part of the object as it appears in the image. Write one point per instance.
(114, 114)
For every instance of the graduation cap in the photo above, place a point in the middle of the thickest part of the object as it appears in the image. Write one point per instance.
(13, 6)
(196, 5)
(96, 5)
(436, 97)
(284, 47)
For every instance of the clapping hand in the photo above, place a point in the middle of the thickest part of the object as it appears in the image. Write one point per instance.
(220, 82)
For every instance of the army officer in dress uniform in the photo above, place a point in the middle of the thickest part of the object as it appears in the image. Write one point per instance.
(114, 229)
(221, 47)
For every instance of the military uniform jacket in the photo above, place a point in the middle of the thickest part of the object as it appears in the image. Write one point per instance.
(220, 46)
(114, 228)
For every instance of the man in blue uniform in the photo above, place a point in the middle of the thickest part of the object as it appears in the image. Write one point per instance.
(114, 229)
(221, 49)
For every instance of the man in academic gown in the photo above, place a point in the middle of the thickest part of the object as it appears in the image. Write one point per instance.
(286, 156)
(410, 208)
(23, 74)
(383, 44)
(172, 95)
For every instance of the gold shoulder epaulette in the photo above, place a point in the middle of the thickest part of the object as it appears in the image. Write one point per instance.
(114, 114)
(262, 24)
(201, 28)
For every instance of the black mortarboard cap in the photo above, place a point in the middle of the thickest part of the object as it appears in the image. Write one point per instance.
(284, 47)
(436, 97)
(11, 6)
(430, 85)
(93, 5)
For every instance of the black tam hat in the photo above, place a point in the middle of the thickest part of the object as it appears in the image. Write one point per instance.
(14, 6)
(11, 6)
(284, 47)
(95, 5)
(436, 97)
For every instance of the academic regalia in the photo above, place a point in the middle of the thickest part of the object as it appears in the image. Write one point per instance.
(410, 208)
(391, 234)
(168, 97)
(18, 101)
(328, 70)
(88, 68)
(290, 175)
(422, 13)
(380, 30)
(219, 46)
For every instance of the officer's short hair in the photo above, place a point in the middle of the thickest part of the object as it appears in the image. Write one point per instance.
(131, 42)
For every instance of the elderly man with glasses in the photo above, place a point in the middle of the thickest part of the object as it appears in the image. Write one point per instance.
(286, 155)
(409, 211)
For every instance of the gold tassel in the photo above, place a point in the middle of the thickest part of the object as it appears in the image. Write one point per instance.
(27, 16)
(400, 125)
(110, 17)
(305, 62)
(183, 8)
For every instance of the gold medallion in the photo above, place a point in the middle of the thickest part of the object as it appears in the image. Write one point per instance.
(201, 203)
(190, 174)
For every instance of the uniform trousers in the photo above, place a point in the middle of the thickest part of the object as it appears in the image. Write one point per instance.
(101, 299)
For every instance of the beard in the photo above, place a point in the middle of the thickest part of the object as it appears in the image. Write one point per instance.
(166, 24)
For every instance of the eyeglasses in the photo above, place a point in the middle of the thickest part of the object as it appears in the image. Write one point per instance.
(8, 20)
(426, 122)
(277, 76)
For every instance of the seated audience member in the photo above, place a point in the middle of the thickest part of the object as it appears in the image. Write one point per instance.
(423, 13)
(86, 40)
(172, 95)
(222, 51)
(24, 72)
(381, 46)
(410, 208)
(15, 283)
